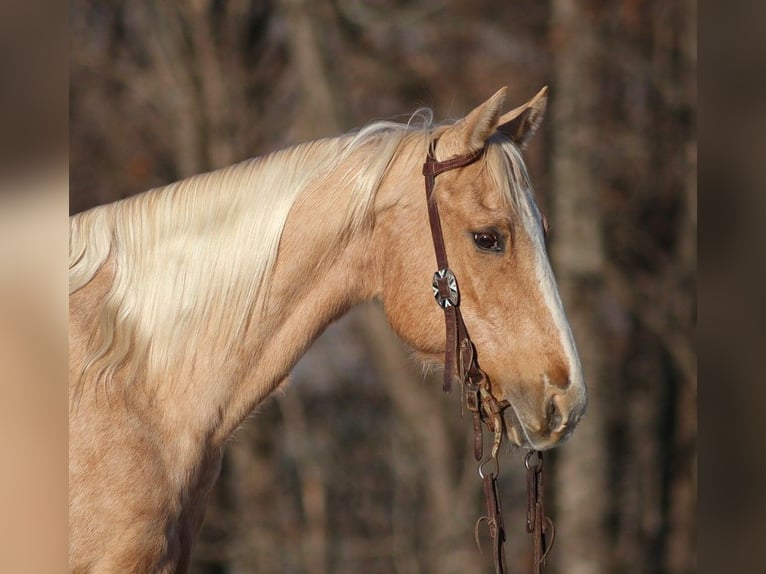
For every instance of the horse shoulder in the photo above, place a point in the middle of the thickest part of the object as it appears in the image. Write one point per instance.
(118, 499)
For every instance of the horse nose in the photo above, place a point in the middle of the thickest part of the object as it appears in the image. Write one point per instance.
(563, 411)
(553, 415)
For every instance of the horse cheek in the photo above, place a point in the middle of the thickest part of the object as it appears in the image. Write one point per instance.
(409, 306)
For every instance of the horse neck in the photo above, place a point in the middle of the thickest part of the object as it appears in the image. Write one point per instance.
(325, 264)
(213, 371)
(319, 273)
(315, 281)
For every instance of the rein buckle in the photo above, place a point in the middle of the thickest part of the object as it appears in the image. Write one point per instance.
(472, 400)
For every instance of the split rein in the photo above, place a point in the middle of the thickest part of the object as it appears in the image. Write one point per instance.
(477, 395)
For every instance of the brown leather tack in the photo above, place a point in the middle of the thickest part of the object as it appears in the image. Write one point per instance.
(476, 390)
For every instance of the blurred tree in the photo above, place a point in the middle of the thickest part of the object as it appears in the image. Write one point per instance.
(578, 257)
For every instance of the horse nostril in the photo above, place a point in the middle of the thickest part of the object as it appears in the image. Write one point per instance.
(553, 414)
(558, 378)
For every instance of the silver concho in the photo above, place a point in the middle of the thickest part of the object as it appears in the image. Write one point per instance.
(452, 299)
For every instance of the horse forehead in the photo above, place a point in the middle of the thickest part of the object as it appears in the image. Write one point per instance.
(476, 188)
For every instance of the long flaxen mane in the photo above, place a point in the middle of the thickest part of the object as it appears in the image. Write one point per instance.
(226, 226)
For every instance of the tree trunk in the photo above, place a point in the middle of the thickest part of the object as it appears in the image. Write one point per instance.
(578, 256)
(681, 543)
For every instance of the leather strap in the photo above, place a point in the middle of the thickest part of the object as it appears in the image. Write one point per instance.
(539, 525)
(460, 352)
(495, 521)
(477, 394)
(455, 327)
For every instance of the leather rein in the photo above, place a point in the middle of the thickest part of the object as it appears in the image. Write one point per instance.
(485, 409)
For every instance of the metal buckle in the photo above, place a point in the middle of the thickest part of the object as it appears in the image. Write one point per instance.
(445, 278)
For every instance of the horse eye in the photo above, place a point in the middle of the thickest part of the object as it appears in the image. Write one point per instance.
(487, 241)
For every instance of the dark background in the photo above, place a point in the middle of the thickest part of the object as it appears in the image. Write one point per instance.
(361, 465)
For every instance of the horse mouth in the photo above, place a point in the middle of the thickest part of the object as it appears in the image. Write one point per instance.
(514, 430)
(519, 435)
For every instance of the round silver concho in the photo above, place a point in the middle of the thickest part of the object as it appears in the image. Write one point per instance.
(441, 276)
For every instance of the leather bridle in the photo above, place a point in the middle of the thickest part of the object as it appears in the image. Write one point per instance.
(460, 352)
(459, 349)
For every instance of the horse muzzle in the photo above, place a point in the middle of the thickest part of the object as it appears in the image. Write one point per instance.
(545, 428)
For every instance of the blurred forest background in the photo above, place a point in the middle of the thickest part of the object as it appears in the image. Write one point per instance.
(361, 465)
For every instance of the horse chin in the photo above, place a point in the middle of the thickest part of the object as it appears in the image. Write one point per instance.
(514, 429)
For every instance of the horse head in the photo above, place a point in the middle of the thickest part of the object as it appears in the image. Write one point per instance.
(494, 235)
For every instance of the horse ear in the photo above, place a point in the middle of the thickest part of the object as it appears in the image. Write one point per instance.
(521, 123)
(470, 133)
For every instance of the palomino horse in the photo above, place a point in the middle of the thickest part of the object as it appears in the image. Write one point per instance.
(189, 304)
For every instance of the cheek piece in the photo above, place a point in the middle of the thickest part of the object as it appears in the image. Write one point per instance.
(460, 353)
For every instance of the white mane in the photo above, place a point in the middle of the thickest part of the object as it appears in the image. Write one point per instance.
(225, 226)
